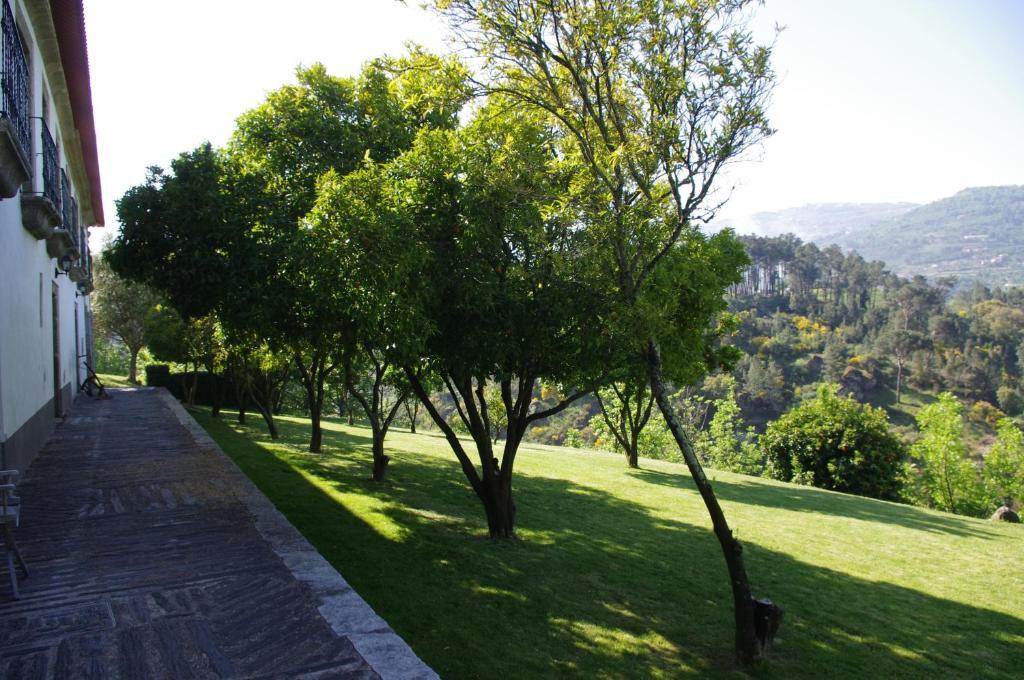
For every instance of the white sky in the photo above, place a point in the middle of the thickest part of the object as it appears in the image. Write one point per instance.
(878, 100)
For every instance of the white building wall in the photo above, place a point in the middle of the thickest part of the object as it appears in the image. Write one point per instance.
(27, 276)
(26, 334)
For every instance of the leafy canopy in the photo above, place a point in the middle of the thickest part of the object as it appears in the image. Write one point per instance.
(836, 443)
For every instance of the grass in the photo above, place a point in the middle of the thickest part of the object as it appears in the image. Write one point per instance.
(111, 380)
(616, 573)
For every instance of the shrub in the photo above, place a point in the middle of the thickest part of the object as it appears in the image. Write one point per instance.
(1010, 400)
(836, 443)
(985, 413)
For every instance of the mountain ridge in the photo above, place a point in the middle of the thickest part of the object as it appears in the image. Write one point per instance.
(977, 234)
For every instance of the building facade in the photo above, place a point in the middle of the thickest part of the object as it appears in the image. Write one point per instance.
(49, 198)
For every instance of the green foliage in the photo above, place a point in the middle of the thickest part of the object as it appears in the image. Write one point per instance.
(1004, 466)
(949, 479)
(119, 313)
(497, 414)
(653, 439)
(727, 445)
(113, 358)
(166, 335)
(835, 443)
(625, 415)
(834, 359)
(1010, 400)
(177, 230)
(763, 387)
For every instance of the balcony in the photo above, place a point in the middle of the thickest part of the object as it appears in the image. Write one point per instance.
(40, 210)
(80, 270)
(15, 126)
(65, 240)
(86, 286)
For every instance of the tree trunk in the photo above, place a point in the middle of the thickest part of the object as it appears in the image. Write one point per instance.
(263, 398)
(412, 408)
(633, 458)
(748, 646)
(220, 389)
(899, 379)
(238, 384)
(268, 418)
(499, 508)
(493, 488)
(133, 365)
(316, 435)
(243, 405)
(313, 377)
(380, 461)
(191, 387)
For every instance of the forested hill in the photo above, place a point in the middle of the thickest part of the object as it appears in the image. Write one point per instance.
(975, 235)
(817, 221)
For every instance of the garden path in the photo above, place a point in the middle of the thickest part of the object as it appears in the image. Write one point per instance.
(153, 556)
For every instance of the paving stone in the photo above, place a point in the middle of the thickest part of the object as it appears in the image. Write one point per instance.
(153, 556)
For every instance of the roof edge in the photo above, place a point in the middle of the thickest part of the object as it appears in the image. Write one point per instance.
(69, 24)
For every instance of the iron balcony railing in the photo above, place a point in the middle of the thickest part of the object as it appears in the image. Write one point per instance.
(14, 81)
(67, 207)
(51, 171)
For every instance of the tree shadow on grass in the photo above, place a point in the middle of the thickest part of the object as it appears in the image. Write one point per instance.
(812, 500)
(598, 587)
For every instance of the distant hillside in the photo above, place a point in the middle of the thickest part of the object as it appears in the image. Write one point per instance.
(811, 222)
(976, 234)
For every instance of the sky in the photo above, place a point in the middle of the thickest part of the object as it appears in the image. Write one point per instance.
(876, 100)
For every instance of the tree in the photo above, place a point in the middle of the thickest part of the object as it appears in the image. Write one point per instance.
(654, 441)
(626, 410)
(901, 344)
(764, 386)
(1004, 466)
(652, 99)
(120, 307)
(836, 443)
(912, 303)
(727, 445)
(502, 293)
(269, 371)
(356, 230)
(834, 359)
(177, 230)
(192, 343)
(380, 389)
(303, 139)
(949, 478)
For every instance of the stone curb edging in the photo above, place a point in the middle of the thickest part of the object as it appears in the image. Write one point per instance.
(341, 607)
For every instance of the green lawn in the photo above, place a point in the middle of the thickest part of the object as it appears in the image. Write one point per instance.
(111, 380)
(616, 573)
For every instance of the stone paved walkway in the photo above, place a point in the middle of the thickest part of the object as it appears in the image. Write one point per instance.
(153, 556)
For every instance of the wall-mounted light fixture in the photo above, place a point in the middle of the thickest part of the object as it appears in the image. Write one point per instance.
(63, 266)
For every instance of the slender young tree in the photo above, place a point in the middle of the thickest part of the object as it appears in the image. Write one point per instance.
(380, 389)
(625, 408)
(654, 98)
